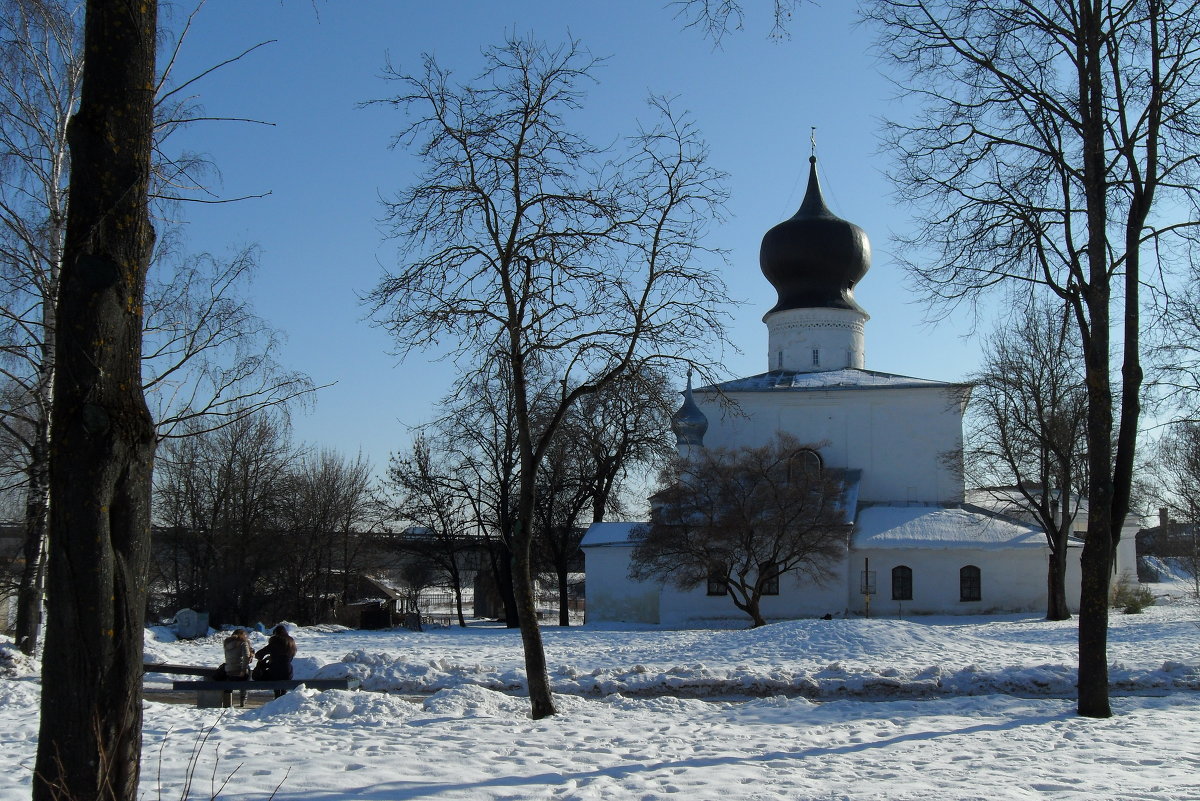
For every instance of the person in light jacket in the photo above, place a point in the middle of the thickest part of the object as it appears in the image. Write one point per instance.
(238, 656)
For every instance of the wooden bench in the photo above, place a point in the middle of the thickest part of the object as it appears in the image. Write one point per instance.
(211, 693)
(179, 670)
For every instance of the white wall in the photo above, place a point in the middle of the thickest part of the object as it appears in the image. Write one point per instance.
(1011, 580)
(797, 598)
(611, 595)
(793, 335)
(899, 437)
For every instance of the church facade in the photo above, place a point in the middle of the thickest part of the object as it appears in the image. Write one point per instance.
(916, 546)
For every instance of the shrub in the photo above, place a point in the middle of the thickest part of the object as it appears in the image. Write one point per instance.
(1130, 598)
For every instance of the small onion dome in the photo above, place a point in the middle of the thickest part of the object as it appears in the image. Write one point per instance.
(814, 259)
(689, 423)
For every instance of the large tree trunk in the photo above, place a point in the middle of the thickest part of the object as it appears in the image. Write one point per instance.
(504, 584)
(564, 600)
(540, 699)
(89, 743)
(1093, 627)
(458, 603)
(1057, 607)
(1097, 298)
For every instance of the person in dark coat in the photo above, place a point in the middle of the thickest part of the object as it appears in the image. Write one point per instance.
(277, 656)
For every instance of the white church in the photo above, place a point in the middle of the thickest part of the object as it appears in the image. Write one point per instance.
(916, 546)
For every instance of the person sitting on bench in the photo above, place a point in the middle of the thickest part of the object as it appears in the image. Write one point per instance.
(238, 656)
(275, 660)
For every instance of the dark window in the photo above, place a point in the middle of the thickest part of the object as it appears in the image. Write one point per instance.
(717, 580)
(969, 584)
(901, 583)
(770, 573)
(805, 463)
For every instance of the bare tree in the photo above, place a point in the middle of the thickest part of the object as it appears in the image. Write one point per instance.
(425, 492)
(221, 496)
(716, 18)
(742, 518)
(1025, 440)
(206, 352)
(1176, 470)
(326, 511)
(1057, 143)
(40, 83)
(534, 250)
(564, 491)
(478, 433)
(89, 740)
(625, 431)
(209, 359)
(1175, 351)
(619, 432)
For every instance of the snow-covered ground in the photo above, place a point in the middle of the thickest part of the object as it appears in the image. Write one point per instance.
(922, 708)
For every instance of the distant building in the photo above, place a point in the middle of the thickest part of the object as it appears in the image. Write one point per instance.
(1168, 542)
(898, 438)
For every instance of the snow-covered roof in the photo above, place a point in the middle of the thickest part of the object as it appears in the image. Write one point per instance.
(941, 527)
(600, 534)
(823, 380)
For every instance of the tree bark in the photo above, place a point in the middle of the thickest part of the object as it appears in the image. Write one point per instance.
(1057, 607)
(540, 699)
(89, 743)
(1096, 562)
(504, 584)
(458, 603)
(564, 600)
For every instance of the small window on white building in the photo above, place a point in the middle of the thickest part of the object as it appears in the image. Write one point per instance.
(970, 584)
(779, 360)
(718, 580)
(902, 583)
(816, 358)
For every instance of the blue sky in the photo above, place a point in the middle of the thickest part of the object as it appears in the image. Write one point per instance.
(326, 161)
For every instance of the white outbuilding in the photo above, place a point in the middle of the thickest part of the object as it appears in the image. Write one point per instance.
(916, 547)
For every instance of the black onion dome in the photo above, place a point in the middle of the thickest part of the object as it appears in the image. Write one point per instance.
(689, 423)
(814, 259)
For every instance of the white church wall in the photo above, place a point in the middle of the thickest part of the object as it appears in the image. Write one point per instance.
(900, 438)
(611, 595)
(1011, 580)
(798, 598)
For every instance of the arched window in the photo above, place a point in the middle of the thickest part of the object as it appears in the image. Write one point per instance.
(804, 464)
(901, 583)
(969, 584)
(810, 459)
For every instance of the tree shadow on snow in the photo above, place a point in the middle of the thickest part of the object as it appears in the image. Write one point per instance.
(399, 790)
